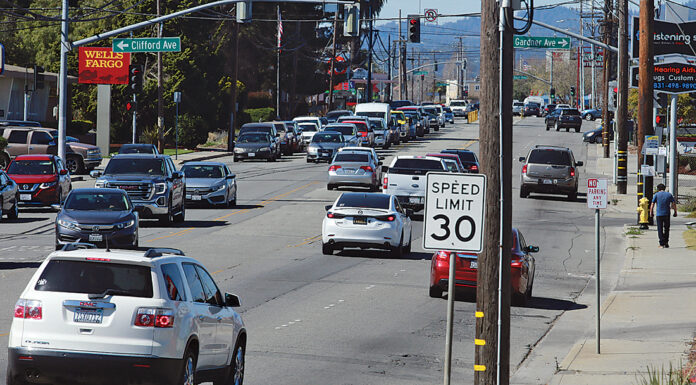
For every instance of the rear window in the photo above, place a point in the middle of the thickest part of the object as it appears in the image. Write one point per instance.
(255, 129)
(415, 166)
(351, 158)
(345, 130)
(87, 277)
(549, 157)
(372, 201)
(370, 114)
(571, 112)
(308, 127)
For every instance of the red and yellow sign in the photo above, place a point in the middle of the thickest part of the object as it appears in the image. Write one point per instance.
(100, 65)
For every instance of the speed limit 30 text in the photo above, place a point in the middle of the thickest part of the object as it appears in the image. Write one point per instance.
(464, 189)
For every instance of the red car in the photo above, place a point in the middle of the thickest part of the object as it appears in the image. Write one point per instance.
(42, 180)
(452, 157)
(521, 275)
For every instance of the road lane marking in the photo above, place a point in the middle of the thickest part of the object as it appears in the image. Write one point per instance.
(218, 271)
(468, 144)
(273, 199)
(173, 235)
(307, 241)
(3, 335)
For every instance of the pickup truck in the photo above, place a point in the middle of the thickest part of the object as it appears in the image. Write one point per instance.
(405, 178)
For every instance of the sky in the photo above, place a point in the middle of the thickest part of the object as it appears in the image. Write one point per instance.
(391, 8)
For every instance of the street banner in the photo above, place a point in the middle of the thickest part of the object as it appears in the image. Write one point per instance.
(668, 38)
(100, 65)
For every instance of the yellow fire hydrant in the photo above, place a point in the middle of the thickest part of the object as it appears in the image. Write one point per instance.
(644, 211)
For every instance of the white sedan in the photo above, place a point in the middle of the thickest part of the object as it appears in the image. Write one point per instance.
(367, 221)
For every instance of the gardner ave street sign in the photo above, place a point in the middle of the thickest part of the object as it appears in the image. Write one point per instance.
(541, 42)
(148, 44)
(454, 212)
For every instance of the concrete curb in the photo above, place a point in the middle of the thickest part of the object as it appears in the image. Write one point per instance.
(206, 157)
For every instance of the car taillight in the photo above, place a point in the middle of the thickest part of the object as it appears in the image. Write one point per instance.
(28, 309)
(334, 168)
(366, 168)
(516, 263)
(524, 169)
(385, 183)
(334, 215)
(330, 215)
(474, 168)
(443, 255)
(572, 172)
(386, 218)
(152, 317)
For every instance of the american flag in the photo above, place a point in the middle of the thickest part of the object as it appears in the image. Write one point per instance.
(280, 29)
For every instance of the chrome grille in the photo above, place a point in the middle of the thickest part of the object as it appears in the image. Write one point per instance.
(198, 190)
(134, 190)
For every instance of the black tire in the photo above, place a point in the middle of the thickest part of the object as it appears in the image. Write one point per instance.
(136, 244)
(588, 117)
(236, 372)
(330, 187)
(182, 212)
(234, 201)
(407, 249)
(309, 160)
(524, 193)
(236, 159)
(573, 196)
(519, 300)
(167, 218)
(75, 165)
(14, 211)
(557, 127)
(547, 127)
(188, 368)
(386, 146)
(567, 129)
(59, 196)
(398, 251)
(435, 292)
(326, 249)
(577, 129)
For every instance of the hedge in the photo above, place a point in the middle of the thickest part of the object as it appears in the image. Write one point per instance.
(261, 114)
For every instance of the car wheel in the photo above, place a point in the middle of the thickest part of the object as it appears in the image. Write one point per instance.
(14, 211)
(385, 147)
(557, 126)
(237, 366)
(407, 249)
(330, 187)
(182, 213)
(573, 196)
(235, 159)
(577, 129)
(75, 165)
(167, 218)
(588, 117)
(188, 370)
(4, 161)
(326, 249)
(398, 251)
(547, 127)
(567, 129)
(519, 300)
(435, 292)
(234, 200)
(524, 193)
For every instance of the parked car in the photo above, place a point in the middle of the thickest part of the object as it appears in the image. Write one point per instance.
(531, 109)
(310, 119)
(467, 157)
(255, 145)
(458, 107)
(308, 130)
(405, 178)
(522, 269)
(595, 136)
(9, 197)
(417, 124)
(348, 130)
(549, 170)
(268, 128)
(394, 104)
(353, 168)
(211, 183)
(43, 180)
(404, 126)
(152, 182)
(564, 118)
(367, 220)
(563, 105)
(435, 119)
(293, 129)
(138, 148)
(449, 115)
(332, 116)
(146, 317)
(517, 108)
(324, 145)
(593, 114)
(104, 217)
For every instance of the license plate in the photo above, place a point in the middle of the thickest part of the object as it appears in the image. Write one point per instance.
(324, 154)
(473, 265)
(88, 316)
(359, 221)
(96, 237)
(548, 181)
(351, 170)
(24, 197)
(195, 197)
(251, 154)
(414, 200)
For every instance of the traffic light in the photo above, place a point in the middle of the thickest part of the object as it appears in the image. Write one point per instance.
(466, 93)
(553, 94)
(661, 120)
(39, 82)
(572, 91)
(615, 96)
(414, 28)
(135, 78)
(131, 106)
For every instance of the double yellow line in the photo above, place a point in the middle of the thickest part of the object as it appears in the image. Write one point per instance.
(307, 241)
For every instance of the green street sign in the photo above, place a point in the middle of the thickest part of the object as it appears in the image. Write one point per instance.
(442, 84)
(541, 42)
(148, 44)
(420, 73)
(519, 77)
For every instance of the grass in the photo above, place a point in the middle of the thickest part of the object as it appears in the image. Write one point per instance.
(689, 206)
(634, 231)
(171, 151)
(671, 376)
(690, 239)
(691, 214)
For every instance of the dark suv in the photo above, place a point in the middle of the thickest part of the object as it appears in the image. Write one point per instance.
(549, 170)
(152, 182)
(564, 118)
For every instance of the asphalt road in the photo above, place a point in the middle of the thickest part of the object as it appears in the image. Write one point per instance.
(359, 317)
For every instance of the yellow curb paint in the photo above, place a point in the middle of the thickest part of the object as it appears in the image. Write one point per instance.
(480, 368)
(477, 341)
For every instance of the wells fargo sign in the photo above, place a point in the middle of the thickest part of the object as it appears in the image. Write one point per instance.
(100, 65)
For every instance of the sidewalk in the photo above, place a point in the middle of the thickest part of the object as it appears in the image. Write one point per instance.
(648, 317)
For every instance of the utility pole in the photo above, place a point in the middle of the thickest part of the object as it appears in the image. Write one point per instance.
(402, 62)
(412, 59)
(581, 61)
(434, 77)
(233, 99)
(403, 77)
(333, 60)
(278, 66)
(460, 57)
(63, 81)
(160, 107)
(645, 92)
(388, 89)
(606, 126)
(369, 59)
(622, 105)
(420, 92)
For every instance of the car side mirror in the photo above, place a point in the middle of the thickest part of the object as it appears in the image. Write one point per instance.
(328, 207)
(521, 158)
(56, 206)
(177, 175)
(63, 172)
(532, 249)
(232, 300)
(385, 168)
(579, 164)
(95, 173)
(231, 176)
(409, 212)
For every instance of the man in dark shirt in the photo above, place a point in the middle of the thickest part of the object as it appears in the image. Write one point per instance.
(661, 203)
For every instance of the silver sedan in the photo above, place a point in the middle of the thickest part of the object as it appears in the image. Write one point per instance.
(210, 182)
(353, 168)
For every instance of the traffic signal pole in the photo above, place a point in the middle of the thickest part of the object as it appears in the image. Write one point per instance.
(135, 114)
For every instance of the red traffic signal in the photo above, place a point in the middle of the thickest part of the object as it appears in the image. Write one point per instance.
(413, 21)
(130, 106)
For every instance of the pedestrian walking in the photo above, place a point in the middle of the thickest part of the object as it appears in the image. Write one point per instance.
(661, 203)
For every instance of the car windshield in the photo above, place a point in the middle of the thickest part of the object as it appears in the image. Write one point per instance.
(532, 105)
(377, 123)
(126, 149)
(336, 114)
(448, 110)
(372, 201)
(343, 157)
(457, 104)
(32, 167)
(308, 127)
(69, 276)
(431, 111)
(264, 129)
(198, 171)
(571, 111)
(518, 104)
(253, 138)
(370, 114)
(147, 166)
(549, 156)
(345, 130)
(97, 201)
(326, 138)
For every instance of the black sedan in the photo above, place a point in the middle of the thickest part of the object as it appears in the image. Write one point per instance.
(531, 109)
(9, 197)
(104, 217)
(468, 158)
(564, 118)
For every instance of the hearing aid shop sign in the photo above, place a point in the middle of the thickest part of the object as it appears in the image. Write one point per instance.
(100, 65)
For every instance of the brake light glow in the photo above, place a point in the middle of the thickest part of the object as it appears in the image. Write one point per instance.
(330, 215)
(524, 169)
(153, 317)
(572, 171)
(515, 263)
(443, 255)
(334, 167)
(474, 168)
(366, 168)
(28, 309)
(385, 183)
(98, 259)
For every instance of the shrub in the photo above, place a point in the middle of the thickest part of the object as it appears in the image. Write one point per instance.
(193, 130)
(3, 143)
(151, 135)
(261, 114)
(80, 127)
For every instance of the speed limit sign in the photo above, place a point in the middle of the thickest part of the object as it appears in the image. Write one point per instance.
(454, 212)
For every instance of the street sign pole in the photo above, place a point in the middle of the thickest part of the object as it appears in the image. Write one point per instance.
(673, 166)
(597, 194)
(598, 304)
(450, 318)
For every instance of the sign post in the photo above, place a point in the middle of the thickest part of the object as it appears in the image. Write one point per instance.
(453, 220)
(597, 193)
(177, 100)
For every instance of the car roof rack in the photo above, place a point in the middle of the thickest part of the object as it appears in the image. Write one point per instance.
(78, 246)
(160, 251)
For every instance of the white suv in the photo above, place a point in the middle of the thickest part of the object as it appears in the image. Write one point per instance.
(100, 316)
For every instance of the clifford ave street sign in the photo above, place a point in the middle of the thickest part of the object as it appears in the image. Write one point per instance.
(671, 78)
(541, 42)
(148, 44)
(668, 38)
(454, 208)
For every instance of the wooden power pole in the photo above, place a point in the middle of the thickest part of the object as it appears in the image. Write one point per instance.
(160, 107)
(645, 91)
(606, 127)
(622, 105)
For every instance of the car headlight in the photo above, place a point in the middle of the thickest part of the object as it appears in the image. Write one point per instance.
(46, 185)
(125, 225)
(160, 188)
(312, 150)
(219, 187)
(238, 150)
(265, 149)
(68, 225)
